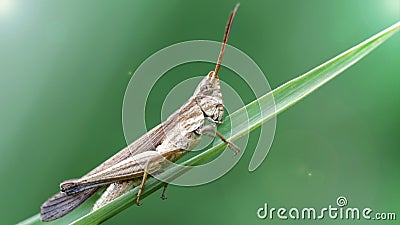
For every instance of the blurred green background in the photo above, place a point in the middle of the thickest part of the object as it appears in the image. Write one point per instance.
(64, 67)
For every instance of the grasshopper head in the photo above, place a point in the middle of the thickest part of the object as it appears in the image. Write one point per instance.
(209, 98)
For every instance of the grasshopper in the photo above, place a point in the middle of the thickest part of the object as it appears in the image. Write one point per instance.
(169, 141)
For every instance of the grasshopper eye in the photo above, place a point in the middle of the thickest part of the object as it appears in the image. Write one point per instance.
(206, 89)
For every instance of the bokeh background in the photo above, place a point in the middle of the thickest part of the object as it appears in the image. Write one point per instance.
(64, 67)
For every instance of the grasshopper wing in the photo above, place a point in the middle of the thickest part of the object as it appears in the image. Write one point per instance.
(61, 204)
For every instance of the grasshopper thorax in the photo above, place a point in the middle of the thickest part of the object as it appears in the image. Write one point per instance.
(209, 98)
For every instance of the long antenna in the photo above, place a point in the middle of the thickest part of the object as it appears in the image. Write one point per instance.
(228, 28)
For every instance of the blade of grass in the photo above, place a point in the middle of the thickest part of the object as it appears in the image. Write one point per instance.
(257, 112)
